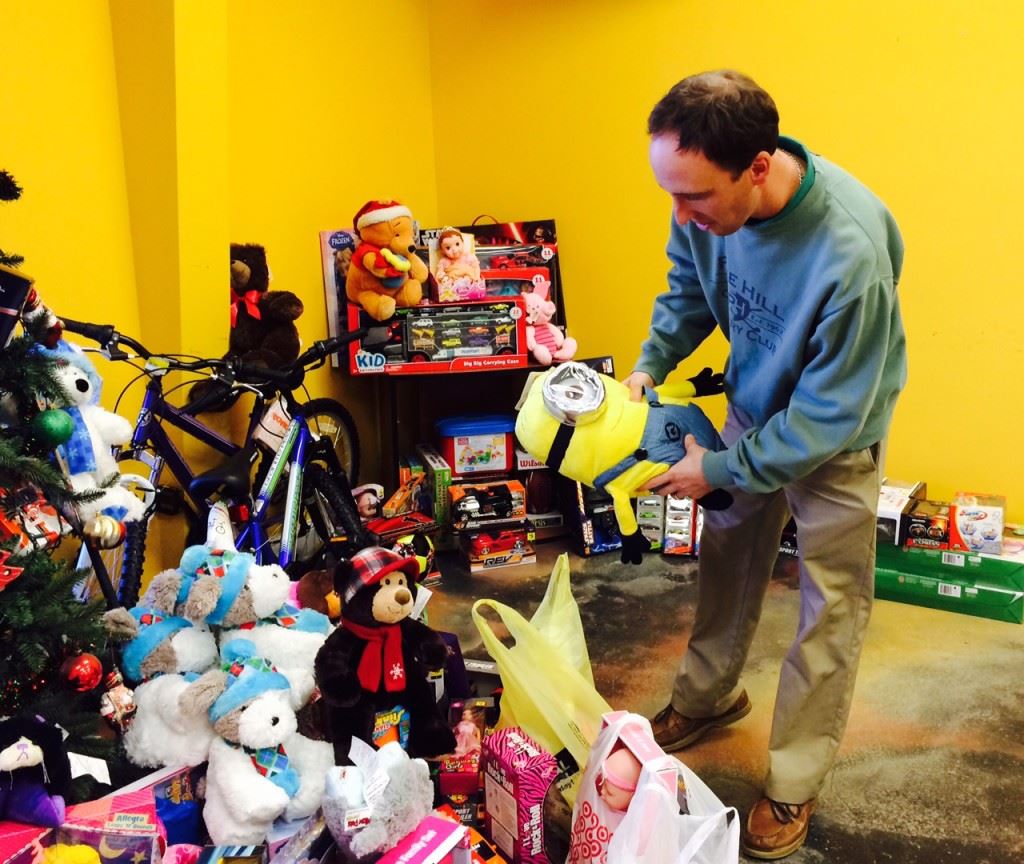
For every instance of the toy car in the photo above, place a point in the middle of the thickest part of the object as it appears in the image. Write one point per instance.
(504, 541)
(407, 523)
(482, 501)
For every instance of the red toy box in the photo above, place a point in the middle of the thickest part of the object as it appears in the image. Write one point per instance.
(472, 336)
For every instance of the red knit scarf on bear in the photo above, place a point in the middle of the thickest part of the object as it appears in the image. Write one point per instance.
(382, 656)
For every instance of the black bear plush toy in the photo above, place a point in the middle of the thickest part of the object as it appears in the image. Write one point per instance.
(372, 670)
(263, 330)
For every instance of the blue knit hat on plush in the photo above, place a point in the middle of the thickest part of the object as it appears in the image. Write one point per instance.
(248, 677)
(154, 628)
(229, 566)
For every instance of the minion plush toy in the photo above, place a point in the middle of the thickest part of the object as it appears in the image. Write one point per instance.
(583, 425)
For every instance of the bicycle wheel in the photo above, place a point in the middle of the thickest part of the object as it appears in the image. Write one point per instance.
(327, 512)
(329, 419)
(132, 558)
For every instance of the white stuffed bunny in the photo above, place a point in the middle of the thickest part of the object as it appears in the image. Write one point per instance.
(260, 767)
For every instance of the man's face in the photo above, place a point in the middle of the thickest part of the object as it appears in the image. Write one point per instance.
(702, 192)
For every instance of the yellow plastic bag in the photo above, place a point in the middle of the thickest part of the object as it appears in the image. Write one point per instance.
(558, 619)
(547, 685)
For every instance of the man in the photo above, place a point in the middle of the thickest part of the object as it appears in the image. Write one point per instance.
(797, 263)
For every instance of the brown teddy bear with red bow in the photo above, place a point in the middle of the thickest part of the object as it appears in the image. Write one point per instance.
(372, 671)
(263, 331)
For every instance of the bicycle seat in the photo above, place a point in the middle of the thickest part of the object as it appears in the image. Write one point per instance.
(230, 478)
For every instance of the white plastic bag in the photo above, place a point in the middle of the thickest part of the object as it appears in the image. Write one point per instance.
(652, 830)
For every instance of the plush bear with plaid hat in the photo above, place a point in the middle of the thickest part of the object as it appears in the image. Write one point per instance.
(385, 271)
(260, 767)
(161, 655)
(374, 666)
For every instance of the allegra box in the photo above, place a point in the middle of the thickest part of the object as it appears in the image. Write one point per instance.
(976, 522)
(517, 774)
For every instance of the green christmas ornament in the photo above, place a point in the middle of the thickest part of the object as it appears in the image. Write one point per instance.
(52, 427)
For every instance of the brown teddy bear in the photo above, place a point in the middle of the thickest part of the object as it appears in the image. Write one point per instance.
(385, 272)
(263, 330)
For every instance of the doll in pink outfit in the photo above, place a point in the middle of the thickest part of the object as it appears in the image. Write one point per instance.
(458, 270)
(467, 734)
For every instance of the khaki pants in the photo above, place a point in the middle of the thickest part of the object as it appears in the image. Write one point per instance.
(835, 509)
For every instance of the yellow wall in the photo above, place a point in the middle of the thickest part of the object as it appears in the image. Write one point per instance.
(544, 116)
(62, 141)
(329, 107)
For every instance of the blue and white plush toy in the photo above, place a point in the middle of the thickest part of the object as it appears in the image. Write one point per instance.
(260, 767)
(162, 655)
(88, 452)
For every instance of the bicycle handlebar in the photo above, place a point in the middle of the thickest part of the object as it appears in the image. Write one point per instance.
(107, 336)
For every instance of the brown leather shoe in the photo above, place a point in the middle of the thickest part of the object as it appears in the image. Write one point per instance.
(673, 731)
(775, 830)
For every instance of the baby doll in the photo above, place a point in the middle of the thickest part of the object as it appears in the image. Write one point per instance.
(368, 499)
(618, 778)
(458, 270)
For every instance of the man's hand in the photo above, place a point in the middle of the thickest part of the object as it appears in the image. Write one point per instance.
(685, 479)
(636, 383)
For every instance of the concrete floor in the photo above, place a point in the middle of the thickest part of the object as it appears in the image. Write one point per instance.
(931, 770)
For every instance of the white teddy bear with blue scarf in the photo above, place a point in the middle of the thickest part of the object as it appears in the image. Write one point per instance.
(87, 454)
(260, 767)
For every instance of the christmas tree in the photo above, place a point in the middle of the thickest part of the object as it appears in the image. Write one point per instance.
(49, 639)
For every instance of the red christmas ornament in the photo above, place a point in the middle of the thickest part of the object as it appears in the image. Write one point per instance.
(82, 672)
(7, 573)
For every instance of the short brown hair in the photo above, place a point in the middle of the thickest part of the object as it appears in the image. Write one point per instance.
(723, 114)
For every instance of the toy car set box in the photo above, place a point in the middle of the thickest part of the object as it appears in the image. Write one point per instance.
(473, 336)
(504, 547)
(480, 444)
(482, 505)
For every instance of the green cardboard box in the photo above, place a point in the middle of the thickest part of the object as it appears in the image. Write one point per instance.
(982, 585)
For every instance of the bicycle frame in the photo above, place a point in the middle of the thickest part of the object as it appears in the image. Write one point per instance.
(293, 453)
(152, 446)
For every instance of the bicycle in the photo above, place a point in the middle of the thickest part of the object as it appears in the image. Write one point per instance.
(333, 444)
